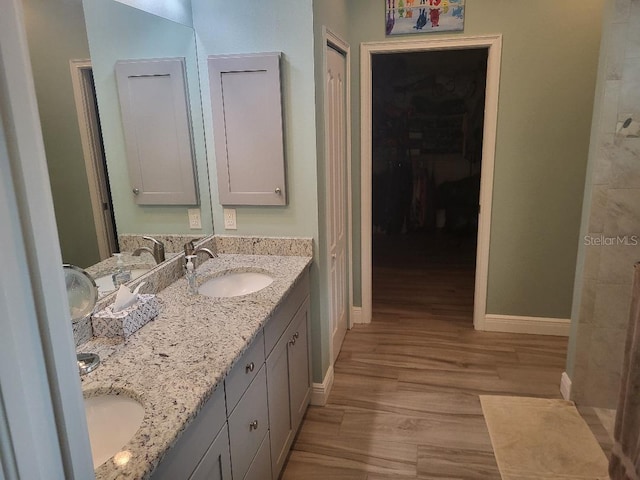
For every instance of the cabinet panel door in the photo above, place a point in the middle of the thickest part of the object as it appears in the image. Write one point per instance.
(261, 466)
(184, 456)
(279, 404)
(247, 128)
(299, 375)
(216, 463)
(248, 425)
(157, 131)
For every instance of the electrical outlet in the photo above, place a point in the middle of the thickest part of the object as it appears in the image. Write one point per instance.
(195, 222)
(230, 219)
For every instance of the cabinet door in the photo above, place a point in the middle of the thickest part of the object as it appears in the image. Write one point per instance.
(299, 374)
(182, 459)
(216, 463)
(260, 468)
(157, 131)
(279, 404)
(248, 424)
(247, 128)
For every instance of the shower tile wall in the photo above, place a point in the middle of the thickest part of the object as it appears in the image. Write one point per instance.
(614, 220)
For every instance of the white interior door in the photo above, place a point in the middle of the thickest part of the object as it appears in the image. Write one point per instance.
(337, 206)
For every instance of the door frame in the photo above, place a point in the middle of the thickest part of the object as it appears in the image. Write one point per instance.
(40, 387)
(330, 39)
(494, 45)
(92, 152)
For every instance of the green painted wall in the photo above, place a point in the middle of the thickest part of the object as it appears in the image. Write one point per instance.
(549, 62)
(119, 32)
(56, 34)
(272, 26)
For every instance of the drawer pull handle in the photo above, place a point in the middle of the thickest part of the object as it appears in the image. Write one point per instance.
(249, 368)
(253, 425)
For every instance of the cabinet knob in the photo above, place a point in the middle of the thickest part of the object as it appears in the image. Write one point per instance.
(294, 338)
(136, 191)
(296, 335)
(249, 368)
(278, 191)
(253, 425)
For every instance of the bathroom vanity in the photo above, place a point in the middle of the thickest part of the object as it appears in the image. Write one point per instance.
(224, 382)
(265, 396)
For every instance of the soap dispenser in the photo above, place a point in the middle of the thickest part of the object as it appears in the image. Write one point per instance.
(190, 275)
(121, 275)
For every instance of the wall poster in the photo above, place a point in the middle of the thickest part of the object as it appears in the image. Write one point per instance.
(424, 16)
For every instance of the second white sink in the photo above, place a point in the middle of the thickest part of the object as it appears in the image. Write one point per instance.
(112, 420)
(234, 284)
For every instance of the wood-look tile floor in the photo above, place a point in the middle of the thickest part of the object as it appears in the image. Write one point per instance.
(405, 400)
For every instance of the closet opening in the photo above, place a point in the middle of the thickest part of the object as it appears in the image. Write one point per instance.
(427, 120)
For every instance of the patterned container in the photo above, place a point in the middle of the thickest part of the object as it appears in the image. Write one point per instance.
(107, 323)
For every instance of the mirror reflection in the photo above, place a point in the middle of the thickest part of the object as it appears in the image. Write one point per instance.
(74, 48)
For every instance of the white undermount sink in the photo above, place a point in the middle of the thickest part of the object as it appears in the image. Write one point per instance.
(234, 284)
(112, 420)
(105, 283)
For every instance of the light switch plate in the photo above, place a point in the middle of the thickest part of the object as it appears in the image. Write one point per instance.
(195, 222)
(230, 219)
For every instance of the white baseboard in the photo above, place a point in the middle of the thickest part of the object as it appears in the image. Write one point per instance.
(565, 386)
(519, 324)
(320, 391)
(356, 315)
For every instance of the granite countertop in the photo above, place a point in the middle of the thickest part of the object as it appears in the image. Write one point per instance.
(173, 364)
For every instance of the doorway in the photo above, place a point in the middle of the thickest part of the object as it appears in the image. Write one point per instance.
(95, 160)
(479, 172)
(427, 121)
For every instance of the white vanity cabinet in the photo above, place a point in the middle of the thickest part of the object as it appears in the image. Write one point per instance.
(288, 374)
(245, 430)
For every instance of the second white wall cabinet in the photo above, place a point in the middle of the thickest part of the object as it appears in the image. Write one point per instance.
(247, 128)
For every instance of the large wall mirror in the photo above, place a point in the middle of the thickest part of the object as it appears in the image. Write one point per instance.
(103, 32)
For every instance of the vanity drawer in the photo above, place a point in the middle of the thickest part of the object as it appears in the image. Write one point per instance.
(244, 372)
(279, 321)
(248, 425)
(184, 456)
(260, 468)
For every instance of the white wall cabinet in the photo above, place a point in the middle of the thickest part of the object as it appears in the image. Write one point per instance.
(246, 106)
(246, 429)
(157, 131)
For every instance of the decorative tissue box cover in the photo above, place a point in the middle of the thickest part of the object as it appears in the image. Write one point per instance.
(107, 323)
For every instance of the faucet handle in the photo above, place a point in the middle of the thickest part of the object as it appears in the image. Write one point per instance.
(155, 241)
(189, 248)
(158, 249)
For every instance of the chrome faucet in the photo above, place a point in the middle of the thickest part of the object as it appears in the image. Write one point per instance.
(157, 252)
(87, 362)
(205, 250)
